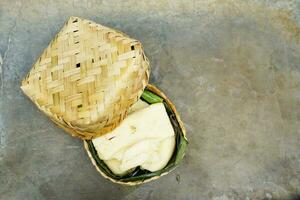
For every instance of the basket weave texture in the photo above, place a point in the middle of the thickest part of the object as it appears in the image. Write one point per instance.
(87, 78)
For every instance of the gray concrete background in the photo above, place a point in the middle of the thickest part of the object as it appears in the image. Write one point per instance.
(231, 68)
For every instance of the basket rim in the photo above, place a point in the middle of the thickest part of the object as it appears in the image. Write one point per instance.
(155, 90)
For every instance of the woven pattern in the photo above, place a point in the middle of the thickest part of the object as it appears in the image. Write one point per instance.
(87, 78)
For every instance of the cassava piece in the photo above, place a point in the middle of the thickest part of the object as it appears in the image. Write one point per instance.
(179, 152)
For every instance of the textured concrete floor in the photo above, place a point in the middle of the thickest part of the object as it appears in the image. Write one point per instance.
(231, 67)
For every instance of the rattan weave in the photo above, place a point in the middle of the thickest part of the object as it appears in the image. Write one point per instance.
(87, 78)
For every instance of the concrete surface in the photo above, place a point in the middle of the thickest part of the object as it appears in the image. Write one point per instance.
(231, 67)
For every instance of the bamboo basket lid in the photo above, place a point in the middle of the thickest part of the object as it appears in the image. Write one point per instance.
(87, 78)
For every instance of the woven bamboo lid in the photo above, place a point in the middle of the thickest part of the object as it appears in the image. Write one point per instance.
(87, 78)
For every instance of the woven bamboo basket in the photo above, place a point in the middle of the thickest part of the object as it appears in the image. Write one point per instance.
(87, 78)
(180, 130)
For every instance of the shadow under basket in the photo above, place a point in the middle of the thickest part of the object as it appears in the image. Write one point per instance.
(139, 176)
